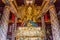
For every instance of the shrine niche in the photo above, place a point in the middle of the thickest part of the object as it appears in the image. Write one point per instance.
(30, 29)
(29, 21)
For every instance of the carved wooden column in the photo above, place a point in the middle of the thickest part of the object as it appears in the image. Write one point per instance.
(54, 23)
(5, 19)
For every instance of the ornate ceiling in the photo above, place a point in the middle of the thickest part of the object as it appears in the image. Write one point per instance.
(38, 2)
(20, 2)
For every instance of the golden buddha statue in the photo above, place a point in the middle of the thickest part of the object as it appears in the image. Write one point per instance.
(28, 11)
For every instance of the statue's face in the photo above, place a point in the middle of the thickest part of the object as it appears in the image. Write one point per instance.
(29, 1)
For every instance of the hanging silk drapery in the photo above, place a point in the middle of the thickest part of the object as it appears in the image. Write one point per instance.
(11, 26)
(13, 17)
(46, 17)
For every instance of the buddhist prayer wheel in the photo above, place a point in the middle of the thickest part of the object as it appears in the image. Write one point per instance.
(26, 20)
